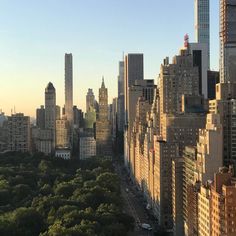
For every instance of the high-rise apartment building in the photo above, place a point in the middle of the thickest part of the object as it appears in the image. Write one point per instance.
(103, 126)
(177, 79)
(202, 24)
(69, 87)
(19, 133)
(225, 106)
(223, 195)
(227, 41)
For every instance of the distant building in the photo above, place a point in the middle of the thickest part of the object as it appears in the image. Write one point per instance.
(62, 133)
(90, 100)
(87, 147)
(78, 117)
(103, 126)
(69, 87)
(58, 112)
(40, 117)
(133, 70)
(63, 153)
(19, 139)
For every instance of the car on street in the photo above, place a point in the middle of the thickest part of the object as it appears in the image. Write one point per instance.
(146, 226)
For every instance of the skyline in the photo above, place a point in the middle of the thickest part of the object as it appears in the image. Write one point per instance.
(26, 48)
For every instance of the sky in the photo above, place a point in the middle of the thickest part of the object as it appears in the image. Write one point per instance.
(35, 35)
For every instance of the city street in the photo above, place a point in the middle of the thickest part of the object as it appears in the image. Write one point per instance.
(134, 205)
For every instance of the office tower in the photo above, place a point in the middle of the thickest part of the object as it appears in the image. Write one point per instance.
(19, 133)
(62, 133)
(90, 100)
(133, 70)
(213, 78)
(202, 24)
(58, 112)
(227, 41)
(103, 126)
(200, 59)
(69, 88)
(40, 117)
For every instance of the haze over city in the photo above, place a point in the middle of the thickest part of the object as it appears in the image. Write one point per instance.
(35, 35)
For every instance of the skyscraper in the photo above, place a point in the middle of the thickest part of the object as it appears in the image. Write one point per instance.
(202, 23)
(50, 114)
(121, 79)
(103, 126)
(50, 107)
(40, 117)
(133, 70)
(69, 87)
(90, 100)
(227, 41)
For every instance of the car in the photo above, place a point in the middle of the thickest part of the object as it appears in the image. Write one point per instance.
(146, 226)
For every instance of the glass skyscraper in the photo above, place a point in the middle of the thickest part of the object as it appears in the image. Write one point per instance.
(202, 23)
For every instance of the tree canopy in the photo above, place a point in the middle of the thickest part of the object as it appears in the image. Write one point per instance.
(54, 197)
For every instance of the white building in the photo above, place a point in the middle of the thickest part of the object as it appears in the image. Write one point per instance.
(63, 153)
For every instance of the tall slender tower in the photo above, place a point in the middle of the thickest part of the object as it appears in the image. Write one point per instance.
(227, 41)
(50, 112)
(103, 126)
(90, 100)
(202, 23)
(69, 87)
(50, 106)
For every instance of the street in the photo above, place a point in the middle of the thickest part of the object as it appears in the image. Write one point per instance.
(133, 204)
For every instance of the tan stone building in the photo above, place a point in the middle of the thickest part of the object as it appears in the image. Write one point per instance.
(103, 125)
(18, 127)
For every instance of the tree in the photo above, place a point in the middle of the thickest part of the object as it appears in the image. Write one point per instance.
(28, 222)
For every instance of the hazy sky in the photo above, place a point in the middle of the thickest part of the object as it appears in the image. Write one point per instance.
(34, 35)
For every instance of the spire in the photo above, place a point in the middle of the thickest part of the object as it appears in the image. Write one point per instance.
(103, 84)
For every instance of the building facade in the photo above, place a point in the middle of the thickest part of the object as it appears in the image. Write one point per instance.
(103, 126)
(19, 138)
